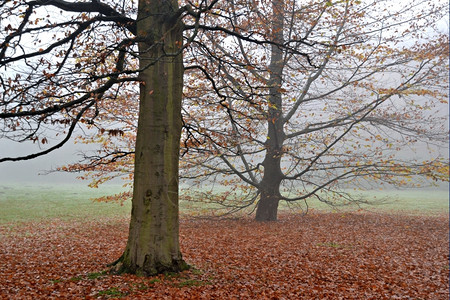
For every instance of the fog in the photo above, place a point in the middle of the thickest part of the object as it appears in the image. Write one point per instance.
(37, 170)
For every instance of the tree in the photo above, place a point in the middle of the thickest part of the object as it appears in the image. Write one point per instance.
(302, 99)
(355, 88)
(52, 81)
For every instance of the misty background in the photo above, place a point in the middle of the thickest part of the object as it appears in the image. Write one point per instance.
(37, 170)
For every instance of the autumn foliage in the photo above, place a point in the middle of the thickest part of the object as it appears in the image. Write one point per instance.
(317, 256)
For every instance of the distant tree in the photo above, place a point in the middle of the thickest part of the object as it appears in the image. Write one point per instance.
(361, 83)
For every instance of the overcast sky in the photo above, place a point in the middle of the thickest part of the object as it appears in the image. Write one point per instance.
(29, 171)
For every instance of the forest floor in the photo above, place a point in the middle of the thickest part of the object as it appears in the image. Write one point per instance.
(340, 255)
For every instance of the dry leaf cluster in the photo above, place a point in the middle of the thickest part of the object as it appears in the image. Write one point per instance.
(318, 256)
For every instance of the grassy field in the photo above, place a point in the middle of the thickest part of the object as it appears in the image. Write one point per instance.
(411, 202)
(20, 203)
(34, 202)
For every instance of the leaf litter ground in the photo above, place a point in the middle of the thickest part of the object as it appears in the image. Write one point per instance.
(317, 256)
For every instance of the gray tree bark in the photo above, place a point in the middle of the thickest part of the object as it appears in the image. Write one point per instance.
(153, 245)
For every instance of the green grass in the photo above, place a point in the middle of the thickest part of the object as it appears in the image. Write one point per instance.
(96, 275)
(413, 201)
(38, 202)
(112, 292)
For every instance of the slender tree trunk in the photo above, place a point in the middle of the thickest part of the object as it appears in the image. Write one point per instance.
(270, 185)
(153, 245)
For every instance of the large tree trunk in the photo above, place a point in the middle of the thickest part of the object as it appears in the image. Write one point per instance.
(270, 185)
(153, 245)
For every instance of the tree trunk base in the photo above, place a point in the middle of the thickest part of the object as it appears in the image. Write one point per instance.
(267, 210)
(176, 266)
